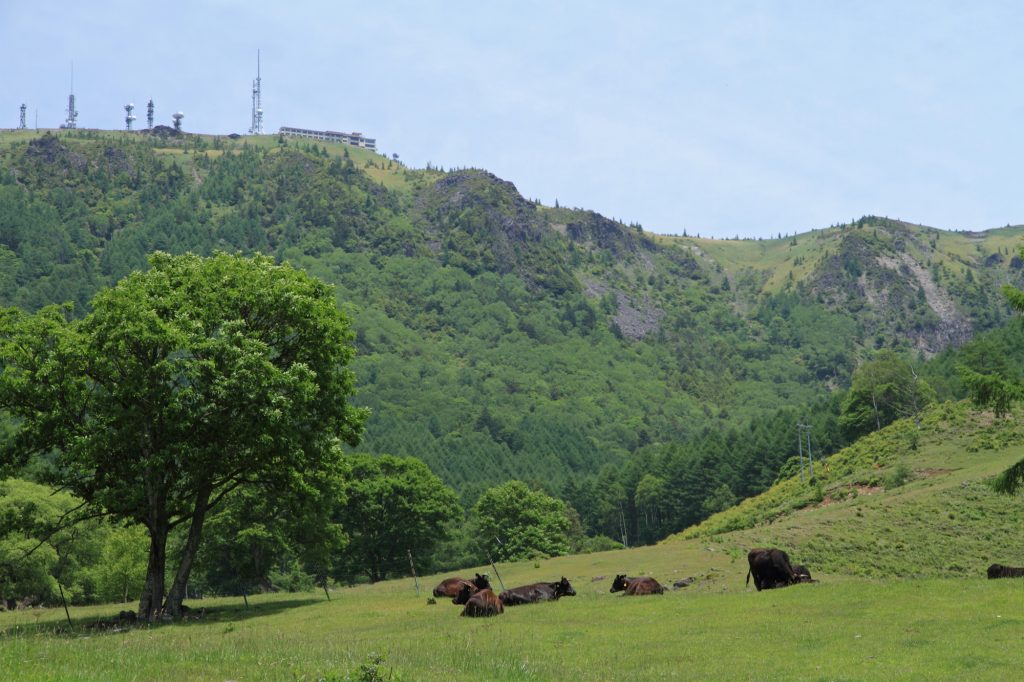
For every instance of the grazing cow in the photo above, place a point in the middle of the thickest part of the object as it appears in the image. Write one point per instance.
(450, 587)
(537, 592)
(481, 603)
(636, 586)
(770, 568)
(1000, 571)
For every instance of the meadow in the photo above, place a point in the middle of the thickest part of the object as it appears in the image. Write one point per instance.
(717, 629)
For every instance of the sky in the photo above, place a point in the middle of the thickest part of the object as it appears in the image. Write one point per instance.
(723, 118)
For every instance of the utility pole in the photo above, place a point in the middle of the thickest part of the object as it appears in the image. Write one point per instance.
(803, 429)
(413, 567)
(800, 448)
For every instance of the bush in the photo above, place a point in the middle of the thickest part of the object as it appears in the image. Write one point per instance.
(899, 475)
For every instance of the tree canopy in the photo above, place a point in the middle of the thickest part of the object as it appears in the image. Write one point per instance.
(184, 383)
(522, 523)
(393, 506)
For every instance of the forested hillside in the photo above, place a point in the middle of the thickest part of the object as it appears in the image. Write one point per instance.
(647, 380)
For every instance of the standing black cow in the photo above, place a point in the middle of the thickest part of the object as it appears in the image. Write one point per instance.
(537, 592)
(1000, 571)
(770, 568)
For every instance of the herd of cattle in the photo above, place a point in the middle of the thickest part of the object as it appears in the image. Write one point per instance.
(770, 569)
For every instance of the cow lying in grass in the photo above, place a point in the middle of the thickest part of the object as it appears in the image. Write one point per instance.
(450, 587)
(1000, 571)
(636, 586)
(803, 575)
(537, 592)
(478, 602)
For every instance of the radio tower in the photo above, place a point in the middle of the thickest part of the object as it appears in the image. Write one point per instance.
(257, 106)
(129, 116)
(21, 120)
(72, 120)
(149, 114)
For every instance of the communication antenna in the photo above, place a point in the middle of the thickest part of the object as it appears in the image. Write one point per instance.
(72, 121)
(257, 105)
(149, 114)
(129, 115)
(21, 119)
(177, 120)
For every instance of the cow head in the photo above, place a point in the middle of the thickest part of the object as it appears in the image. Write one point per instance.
(620, 583)
(564, 589)
(467, 591)
(482, 582)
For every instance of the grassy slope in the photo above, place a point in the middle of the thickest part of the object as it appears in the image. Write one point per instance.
(777, 258)
(942, 522)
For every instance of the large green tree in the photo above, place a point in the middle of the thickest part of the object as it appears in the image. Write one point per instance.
(184, 383)
(884, 389)
(521, 522)
(393, 506)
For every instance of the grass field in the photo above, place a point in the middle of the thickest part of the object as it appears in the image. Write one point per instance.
(902, 595)
(838, 629)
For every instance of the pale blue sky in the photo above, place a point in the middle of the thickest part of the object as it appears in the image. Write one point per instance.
(722, 118)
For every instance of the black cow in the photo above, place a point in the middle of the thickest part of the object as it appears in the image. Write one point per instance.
(803, 575)
(481, 603)
(1000, 571)
(450, 587)
(770, 568)
(537, 592)
(636, 586)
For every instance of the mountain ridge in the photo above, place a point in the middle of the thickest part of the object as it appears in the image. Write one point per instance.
(498, 338)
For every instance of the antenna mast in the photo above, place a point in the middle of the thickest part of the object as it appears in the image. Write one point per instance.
(149, 114)
(257, 105)
(72, 120)
(21, 120)
(129, 111)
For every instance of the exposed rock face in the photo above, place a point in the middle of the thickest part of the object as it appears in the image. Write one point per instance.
(481, 222)
(637, 319)
(954, 328)
(865, 274)
(634, 318)
(49, 150)
(604, 233)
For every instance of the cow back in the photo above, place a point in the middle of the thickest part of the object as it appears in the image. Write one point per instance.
(1000, 571)
(482, 604)
(642, 586)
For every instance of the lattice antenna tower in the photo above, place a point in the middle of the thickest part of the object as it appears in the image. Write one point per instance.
(21, 119)
(129, 115)
(72, 120)
(257, 104)
(149, 114)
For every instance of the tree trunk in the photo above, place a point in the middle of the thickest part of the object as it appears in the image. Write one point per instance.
(153, 591)
(188, 554)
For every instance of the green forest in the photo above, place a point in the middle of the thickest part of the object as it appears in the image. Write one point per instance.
(509, 357)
